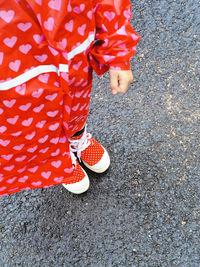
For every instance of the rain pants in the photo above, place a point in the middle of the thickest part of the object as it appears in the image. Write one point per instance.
(48, 50)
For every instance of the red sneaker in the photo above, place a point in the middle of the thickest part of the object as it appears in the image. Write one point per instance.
(90, 152)
(81, 182)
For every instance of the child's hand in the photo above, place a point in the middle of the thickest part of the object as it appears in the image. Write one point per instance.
(120, 80)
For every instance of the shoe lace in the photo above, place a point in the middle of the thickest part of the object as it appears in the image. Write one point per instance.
(73, 158)
(78, 145)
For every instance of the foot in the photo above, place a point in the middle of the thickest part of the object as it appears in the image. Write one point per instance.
(81, 182)
(90, 152)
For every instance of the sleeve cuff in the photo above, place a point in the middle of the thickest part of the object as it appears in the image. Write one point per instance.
(120, 66)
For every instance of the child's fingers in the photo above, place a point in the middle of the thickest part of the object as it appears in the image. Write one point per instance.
(125, 77)
(114, 82)
(123, 85)
(120, 80)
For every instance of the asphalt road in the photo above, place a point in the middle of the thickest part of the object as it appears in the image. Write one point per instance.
(144, 211)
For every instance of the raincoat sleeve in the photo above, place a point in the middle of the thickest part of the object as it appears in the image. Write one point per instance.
(116, 40)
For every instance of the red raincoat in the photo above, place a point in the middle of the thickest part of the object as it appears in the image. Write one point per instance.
(48, 49)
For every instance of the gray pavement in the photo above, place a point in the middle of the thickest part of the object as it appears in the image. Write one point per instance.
(144, 211)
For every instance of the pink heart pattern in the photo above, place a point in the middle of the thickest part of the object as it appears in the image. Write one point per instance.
(7, 16)
(38, 38)
(15, 65)
(25, 107)
(49, 24)
(1, 57)
(36, 116)
(13, 120)
(55, 4)
(24, 26)
(21, 89)
(10, 42)
(69, 25)
(109, 15)
(3, 129)
(38, 109)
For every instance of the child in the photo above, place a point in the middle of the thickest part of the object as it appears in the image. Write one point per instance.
(48, 51)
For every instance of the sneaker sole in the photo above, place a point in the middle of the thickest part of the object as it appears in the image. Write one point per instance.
(79, 187)
(102, 165)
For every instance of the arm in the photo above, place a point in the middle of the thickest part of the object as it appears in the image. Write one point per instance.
(115, 42)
